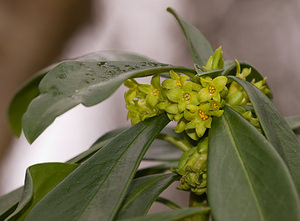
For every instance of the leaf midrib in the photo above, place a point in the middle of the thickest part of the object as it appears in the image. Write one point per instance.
(106, 177)
(244, 168)
(158, 178)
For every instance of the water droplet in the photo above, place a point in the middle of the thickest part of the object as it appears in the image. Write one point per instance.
(101, 63)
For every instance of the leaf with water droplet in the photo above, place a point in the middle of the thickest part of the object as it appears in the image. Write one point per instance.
(58, 95)
(30, 90)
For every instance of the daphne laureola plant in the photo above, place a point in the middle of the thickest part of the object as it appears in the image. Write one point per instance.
(230, 148)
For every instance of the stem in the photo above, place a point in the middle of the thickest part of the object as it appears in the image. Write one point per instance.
(168, 203)
(184, 146)
(198, 201)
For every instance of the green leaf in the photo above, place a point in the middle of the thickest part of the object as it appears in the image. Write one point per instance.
(200, 47)
(172, 215)
(161, 168)
(20, 102)
(159, 150)
(247, 179)
(167, 202)
(9, 202)
(40, 179)
(294, 123)
(276, 129)
(88, 83)
(30, 90)
(163, 151)
(98, 144)
(142, 193)
(95, 190)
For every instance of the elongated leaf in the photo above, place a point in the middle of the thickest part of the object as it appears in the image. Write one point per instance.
(163, 151)
(40, 179)
(20, 102)
(73, 82)
(200, 47)
(95, 190)
(172, 215)
(142, 193)
(99, 143)
(276, 129)
(9, 202)
(247, 178)
(294, 123)
(159, 150)
(30, 90)
(167, 202)
(161, 168)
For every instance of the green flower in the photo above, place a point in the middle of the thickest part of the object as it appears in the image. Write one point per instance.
(262, 85)
(139, 103)
(200, 118)
(152, 92)
(133, 92)
(192, 167)
(212, 88)
(215, 61)
(175, 81)
(245, 72)
(179, 93)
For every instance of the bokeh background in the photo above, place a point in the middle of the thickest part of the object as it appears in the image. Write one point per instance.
(34, 34)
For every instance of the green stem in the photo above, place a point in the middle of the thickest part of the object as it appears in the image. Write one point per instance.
(168, 203)
(198, 201)
(181, 144)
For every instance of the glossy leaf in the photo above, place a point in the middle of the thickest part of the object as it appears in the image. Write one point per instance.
(30, 90)
(95, 190)
(9, 202)
(40, 179)
(294, 123)
(20, 102)
(199, 46)
(247, 178)
(172, 215)
(276, 129)
(88, 83)
(142, 193)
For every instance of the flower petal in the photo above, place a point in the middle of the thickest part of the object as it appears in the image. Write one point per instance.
(155, 81)
(172, 109)
(174, 95)
(219, 83)
(169, 83)
(145, 88)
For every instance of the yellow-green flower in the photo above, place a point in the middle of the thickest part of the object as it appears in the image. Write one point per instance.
(212, 88)
(174, 81)
(215, 61)
(199, 117)
(192, 167)
(152, 92)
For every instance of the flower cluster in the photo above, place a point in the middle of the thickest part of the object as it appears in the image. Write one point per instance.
(238, 99)
(193, 168)
(192, 105)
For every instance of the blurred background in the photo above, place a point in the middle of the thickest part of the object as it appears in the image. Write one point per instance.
(34, 34)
